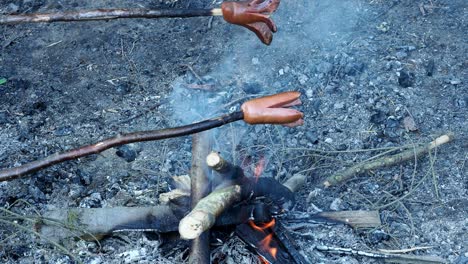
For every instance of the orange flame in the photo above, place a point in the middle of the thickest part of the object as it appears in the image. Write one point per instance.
(265, 243)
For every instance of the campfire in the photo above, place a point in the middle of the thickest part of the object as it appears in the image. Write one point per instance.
(220, 198)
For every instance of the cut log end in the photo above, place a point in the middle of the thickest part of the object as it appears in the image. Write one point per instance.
(194, 224)
(214, 161)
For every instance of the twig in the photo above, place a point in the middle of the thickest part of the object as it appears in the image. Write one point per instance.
(200, 187)
(12, 173)
(387, 161)
(393, 258)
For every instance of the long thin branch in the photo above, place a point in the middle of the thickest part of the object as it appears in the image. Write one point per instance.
(12, 173)
(200, 187)
(387, 161)
(107, 14)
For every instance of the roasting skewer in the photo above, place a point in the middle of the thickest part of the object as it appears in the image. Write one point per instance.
(253, 15)
(271, 109)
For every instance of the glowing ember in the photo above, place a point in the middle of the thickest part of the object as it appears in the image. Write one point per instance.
(259, 168)
(264, 244)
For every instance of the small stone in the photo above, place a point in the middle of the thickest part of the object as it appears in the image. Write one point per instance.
(339, 105)
(406, 79)
(312, 136)
(4, 118)
(255, 61)
(309, 94)
(253, 88)
(302, 79)
(127, 153)
(401, 55)
(336, 204)
(455, 81)
(92, 201)
(281, 72)
(328, 140)
(325, 67)
(378, 236)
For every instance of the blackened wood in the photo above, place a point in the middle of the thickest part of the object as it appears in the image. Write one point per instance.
(103, 14)
(253, 238)
(288, 243)
(9, 174)
(200, 187)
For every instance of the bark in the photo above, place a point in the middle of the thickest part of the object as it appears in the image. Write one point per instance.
(200, 187)
(406, 155)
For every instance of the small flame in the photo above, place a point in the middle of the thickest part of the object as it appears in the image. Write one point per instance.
(259, 168)
(265, 243)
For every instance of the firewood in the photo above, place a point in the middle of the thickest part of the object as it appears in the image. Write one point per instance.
(406, 155)
(92, 223)
(356, 219)
(204, 215)
(389, 258)
(200, 187)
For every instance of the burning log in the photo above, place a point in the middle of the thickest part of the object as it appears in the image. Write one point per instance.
(235, 187)
(253, 15)
(265, 110)
(409, 154)
(200, 187)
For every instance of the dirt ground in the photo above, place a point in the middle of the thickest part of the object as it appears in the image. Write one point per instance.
(362, 66)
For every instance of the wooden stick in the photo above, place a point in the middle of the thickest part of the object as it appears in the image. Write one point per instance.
(91, 223)
(204, 215)
(391, 258)
(13, 173)
(387, 161)
(107, 14)
(200, 187)
(355, 219)
(95, 223)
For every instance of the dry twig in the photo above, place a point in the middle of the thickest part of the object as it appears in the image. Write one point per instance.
(387, 161)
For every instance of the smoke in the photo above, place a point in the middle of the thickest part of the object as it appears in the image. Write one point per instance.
(251, 69)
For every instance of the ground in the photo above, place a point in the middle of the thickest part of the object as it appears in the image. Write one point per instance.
(361, 65)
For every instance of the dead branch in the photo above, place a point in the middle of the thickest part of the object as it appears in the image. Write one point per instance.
(91, 223)
(387, 161)
(355, 219)
(200, 187)
(95, 223)
(390, 258)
